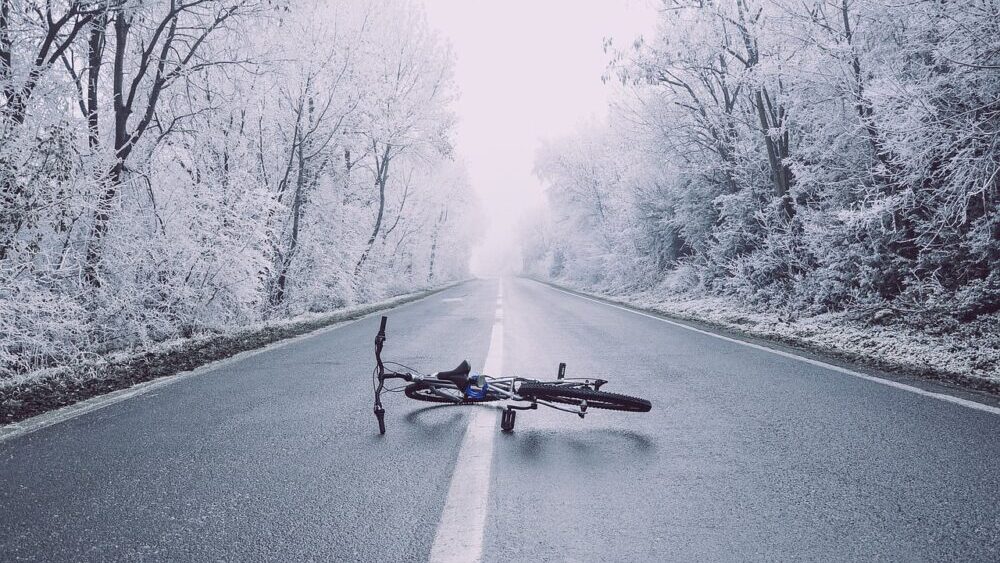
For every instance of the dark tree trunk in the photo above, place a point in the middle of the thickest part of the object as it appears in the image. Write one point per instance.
(442, 218)
(110, 184)
(777, 150)
(278, 293)
(381, 177)
(95, 56)
(6, 48)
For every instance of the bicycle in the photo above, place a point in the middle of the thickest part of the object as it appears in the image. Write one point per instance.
(462, 387)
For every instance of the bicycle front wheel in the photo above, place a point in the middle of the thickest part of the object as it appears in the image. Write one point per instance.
(577, 395)
(433, 392)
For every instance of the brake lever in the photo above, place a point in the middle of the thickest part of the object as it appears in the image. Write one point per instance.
(378, 410)
(380, 415)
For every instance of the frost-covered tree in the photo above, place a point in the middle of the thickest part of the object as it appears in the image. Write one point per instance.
(169, 167)
(814, 156)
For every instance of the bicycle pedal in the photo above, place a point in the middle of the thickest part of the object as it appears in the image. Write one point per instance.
(507, 418)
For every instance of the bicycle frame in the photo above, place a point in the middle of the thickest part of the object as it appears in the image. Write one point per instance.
(507, 387)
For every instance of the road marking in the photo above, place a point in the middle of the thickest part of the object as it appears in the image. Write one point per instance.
(887, 382)
(27, 426)
(459, 536)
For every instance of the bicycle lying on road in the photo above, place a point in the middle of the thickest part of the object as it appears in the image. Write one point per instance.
(462, 387)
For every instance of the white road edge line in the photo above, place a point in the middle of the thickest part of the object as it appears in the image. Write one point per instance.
(459, 536)
(887, 382)
(44, 420)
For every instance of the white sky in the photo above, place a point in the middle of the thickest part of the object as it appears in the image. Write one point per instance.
(527, 70)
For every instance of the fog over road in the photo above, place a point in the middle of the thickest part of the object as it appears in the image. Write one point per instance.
(745, 455)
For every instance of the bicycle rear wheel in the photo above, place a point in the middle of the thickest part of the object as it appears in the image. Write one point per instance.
(577, 395)
(432, 393)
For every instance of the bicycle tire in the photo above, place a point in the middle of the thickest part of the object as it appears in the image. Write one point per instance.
(419, 391)
(575, 395)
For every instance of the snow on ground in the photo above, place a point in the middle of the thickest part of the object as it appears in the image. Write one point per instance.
(35, 392)
(969, 353)
(297, 324)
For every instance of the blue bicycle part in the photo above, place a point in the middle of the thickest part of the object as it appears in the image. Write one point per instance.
(472, 393)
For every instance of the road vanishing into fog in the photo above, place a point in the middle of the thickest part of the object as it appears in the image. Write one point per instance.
(746, 455)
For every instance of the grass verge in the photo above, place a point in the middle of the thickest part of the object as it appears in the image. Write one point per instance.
(40, 392)
(967, 357)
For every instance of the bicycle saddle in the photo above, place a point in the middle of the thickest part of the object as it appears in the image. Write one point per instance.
(459, 376)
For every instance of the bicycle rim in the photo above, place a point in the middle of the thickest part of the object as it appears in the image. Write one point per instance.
(430, 392)
(578, 395)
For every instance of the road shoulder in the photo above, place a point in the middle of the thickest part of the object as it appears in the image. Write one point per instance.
(35, 403)
(930, 381)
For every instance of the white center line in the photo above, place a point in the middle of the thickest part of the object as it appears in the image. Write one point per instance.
(460, 533)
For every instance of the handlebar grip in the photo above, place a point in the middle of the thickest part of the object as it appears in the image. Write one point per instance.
(381, 328)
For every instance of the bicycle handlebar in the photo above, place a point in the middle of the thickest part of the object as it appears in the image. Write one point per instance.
(379, 341)
(381, 375)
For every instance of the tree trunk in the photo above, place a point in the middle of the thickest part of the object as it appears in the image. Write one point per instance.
(278, 293)
(123, 145)
(442, 217)
(102, 216)
(864, 108)
(10, 217)
(95, 55)
(6, 48)
(381, 177)
(777, 151)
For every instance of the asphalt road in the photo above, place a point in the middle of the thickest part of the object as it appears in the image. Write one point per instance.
(746, 455)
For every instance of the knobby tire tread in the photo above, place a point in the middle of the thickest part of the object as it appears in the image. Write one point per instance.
(573, 396)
